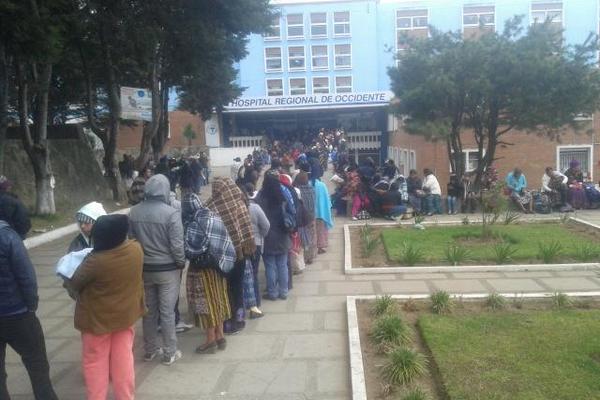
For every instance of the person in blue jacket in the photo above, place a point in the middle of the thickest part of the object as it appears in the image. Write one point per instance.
(19, 326)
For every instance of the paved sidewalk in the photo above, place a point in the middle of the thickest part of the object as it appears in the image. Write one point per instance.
(297, 351)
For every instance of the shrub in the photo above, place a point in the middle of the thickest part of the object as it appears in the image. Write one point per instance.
(419, 219)
(503, 253)
(410, 254)
(495, 302)
(564, 218)
(390, 331)
(383, 305)
(441, 303)
(403, 366)
(369, 240)
(587, 252)
(511, 217)
(456, 254)
(466, 221)
(561, 301)
(547, 252)
(416, 394)
(410, 305)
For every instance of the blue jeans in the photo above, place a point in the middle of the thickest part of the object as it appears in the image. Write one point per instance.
(452, 204)
(434, 203)
(276, 271)
(397, 211)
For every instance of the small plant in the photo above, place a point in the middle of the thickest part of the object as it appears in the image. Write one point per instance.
(404, 366)
(503, 253)
(369, 241)
(410, 254)
(390, 331)
(466, 221)
(511, 217)
(564, 218)
(416, 394)
(419, 219)
(441, 303)
(386, 389)
(518, 301)
(561, 301)
(410, 305)
(495, 302)
(547, 252)
(383, 305)
(587, 252)
(456, 254)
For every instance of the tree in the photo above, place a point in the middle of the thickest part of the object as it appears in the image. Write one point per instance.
(189, 133)
(531, 81)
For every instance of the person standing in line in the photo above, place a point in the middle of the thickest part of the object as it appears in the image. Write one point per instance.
(158, 228)
(277, 243)
(12, 210)
(110, 300)
(308, 233)
(414, 186)
(324, 221)
(136, 192)
(86, 218)
(433, 193)
(19, 326)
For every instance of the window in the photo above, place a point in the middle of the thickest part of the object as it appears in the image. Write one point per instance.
(411, 23)
(318, 25)
(540, 12)
(297, 86)
(583, 154)
(274, 87)
(320, 85)
(473, 16)
(343, 56)
(274, 32)
(296, 58)
(295, 26)
(320, 57)
(341, 23)
(343, 84)
(273, 59)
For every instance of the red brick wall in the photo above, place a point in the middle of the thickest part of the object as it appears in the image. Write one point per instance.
(130, 137)
(530, 151)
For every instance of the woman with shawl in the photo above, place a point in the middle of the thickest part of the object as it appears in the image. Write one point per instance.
(576, 195)
(324, 220)
(308, 233)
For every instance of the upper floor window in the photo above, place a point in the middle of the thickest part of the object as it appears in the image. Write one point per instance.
(274, 32)
(343, 84)
(295, 26)
(296, 59)
(320, 57)
(551, 10)
(478, 19)
(273, 59)
(297, 86)
(318, 25)
(341, 23)
(414, 23)
(274, 87)
(343, 56)
(320, 85)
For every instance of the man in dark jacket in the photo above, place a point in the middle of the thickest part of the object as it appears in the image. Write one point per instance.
(158, 228)
(12, 210)
(19, 326)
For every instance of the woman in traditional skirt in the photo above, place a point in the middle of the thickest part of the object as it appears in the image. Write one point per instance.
(323, 215)
(308, 233)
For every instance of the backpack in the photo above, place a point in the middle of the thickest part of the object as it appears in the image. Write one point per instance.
(541, 203)
(290, 222)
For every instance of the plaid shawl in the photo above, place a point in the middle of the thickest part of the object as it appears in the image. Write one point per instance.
(190, 203)
(228, 201)
(206, 233)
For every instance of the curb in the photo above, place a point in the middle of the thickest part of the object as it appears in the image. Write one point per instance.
(55, 234)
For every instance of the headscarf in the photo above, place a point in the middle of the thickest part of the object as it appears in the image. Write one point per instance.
(228, 201)
(207, 234)
(110, 231)
(323, 204)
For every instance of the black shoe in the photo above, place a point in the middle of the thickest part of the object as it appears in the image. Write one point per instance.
(222, 344)
(282, 297)
(268, 297)
(210, 348)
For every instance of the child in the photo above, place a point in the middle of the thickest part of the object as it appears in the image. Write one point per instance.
(86, 217)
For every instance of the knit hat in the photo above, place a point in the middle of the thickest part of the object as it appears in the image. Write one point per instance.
(89, 213)
(110, 231)
(5, 183)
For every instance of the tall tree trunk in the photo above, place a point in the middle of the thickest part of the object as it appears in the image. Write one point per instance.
(4, 71)
(151, 128)
(158, 144)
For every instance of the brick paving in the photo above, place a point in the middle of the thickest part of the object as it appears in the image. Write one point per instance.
(297, 351)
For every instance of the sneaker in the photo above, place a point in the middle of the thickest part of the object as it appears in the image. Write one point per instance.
(151, 356)
(182, 327)
(354, 219)
(170, 360)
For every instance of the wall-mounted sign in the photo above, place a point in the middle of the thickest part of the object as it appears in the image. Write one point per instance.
(212, 135)
(136, 104)
(309, 101)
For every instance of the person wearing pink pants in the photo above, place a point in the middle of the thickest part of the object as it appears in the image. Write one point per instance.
(110, 300)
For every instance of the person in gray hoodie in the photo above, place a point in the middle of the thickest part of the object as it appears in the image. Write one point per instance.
(158, 228)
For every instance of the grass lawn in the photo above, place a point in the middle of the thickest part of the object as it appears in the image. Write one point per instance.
(525, 238)
(536, 355)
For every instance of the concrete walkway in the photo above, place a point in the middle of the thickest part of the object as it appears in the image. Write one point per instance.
(297, 351)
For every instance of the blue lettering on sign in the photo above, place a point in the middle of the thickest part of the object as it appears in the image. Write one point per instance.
(141, 93)
(325, 99)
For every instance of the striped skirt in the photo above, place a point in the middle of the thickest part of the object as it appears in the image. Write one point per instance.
(207, 297)
(322, 234)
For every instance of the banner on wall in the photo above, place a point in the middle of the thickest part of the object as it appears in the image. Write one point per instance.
(212, 132)
(136, 104)
(309, 101)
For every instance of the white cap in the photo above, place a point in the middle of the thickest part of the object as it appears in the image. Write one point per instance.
(93, 210)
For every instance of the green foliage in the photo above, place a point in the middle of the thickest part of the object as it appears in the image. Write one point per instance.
(503, 253)
(441, 302)
(495, 302)
(561, 301)
(403, 366)
(419, 219)
(389, 331)
(416, 394)
(549, 251)
(587, 252)
(456, 254)
(383, 305)
(369, 240)
(466, 220)
(189, 133)
(564, 218)
(411, 254)
(517, 302)
(511, 217)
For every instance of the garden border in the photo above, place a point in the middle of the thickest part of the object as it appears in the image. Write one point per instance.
(349, 270)
(357, 371)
